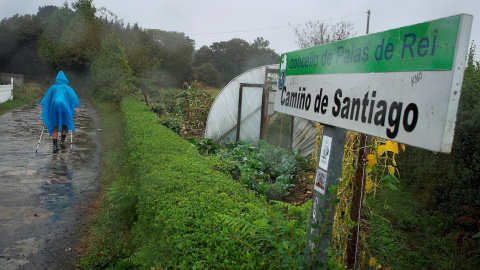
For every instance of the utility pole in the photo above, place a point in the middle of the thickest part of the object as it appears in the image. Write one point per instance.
(368, 21)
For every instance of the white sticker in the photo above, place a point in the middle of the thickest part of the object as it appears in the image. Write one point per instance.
(321, 181)
(325, 152)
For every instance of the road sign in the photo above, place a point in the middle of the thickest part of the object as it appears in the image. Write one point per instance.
(402, 84)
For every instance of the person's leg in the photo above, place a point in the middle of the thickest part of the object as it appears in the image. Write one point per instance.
(64, 130)
(55, 133)
(54, 139)
(64, 135)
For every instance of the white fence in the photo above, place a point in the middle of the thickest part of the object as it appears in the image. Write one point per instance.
(6, 92)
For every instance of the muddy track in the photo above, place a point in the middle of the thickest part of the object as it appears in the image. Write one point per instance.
(44, 197)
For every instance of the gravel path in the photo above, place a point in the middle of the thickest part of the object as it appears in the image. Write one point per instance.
(44, 197)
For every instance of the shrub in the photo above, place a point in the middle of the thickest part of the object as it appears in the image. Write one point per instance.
(208, 74)
(183, 202)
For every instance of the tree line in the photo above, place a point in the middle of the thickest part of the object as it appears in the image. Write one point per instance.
(75, 37)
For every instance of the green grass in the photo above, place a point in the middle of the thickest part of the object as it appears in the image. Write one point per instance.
(21, 96)
(109, 239)
(404, 235)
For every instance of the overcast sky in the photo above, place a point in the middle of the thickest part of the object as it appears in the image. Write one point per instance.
(208, 21)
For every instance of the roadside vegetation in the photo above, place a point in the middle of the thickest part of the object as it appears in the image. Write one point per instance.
(22, 95)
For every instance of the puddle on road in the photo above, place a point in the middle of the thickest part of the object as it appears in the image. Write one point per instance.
(57, 192)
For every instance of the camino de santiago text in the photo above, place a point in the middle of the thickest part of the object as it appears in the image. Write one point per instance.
(367, 109)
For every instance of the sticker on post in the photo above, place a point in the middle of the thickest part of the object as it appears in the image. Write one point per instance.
(321, 181)
(325, 152)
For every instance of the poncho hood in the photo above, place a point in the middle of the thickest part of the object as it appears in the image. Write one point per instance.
(61, 78)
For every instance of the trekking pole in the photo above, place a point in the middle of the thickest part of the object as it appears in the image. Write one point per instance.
(71, 141)
(40, 138)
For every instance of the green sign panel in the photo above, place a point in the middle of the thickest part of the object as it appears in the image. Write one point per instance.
(428, 46)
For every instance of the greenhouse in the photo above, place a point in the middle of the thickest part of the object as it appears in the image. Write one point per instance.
(244, 111)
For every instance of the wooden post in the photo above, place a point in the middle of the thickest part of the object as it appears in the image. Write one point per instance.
(281, 131)
(357, 199)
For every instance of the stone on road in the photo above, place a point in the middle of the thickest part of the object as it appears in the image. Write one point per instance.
(44, 197)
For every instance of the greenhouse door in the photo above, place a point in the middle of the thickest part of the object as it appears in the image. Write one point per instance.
(249, 118)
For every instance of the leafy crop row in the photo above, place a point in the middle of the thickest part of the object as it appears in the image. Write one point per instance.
(266, 169)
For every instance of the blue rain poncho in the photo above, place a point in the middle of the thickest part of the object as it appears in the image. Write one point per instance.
(58, 105)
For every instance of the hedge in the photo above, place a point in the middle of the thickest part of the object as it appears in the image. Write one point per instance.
(180, 198)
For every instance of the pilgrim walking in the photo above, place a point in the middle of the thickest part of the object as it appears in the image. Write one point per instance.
(59, 105)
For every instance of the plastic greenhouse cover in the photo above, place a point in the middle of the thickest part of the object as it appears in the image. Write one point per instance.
(222, 118)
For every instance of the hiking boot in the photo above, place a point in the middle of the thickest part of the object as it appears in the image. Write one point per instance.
(55, 149)
(62, 145)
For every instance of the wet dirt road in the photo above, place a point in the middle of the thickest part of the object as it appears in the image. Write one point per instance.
(44, 197)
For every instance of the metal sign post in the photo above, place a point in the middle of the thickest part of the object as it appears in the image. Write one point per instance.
(328, 175)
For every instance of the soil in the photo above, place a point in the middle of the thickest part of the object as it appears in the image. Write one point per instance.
(45, 196)
(302, 191)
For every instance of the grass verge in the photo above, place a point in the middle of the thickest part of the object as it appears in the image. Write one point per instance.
(109, 239)
(404, 235)
(22, 95)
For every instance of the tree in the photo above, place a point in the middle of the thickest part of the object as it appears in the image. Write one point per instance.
(261, 55)
(45, 12)
(317, 33)
(141, 51)
(230, 57)
(175, 51)
(49, 41)
(82, 37)
(202, 56)
(70, 39)
(260, 43)
(208, 75)
(18, 40)
(235, 56)
(111, 75)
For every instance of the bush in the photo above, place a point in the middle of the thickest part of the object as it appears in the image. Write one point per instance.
(172, 123)
(448, 183)
(208, 74)
(184, 205)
